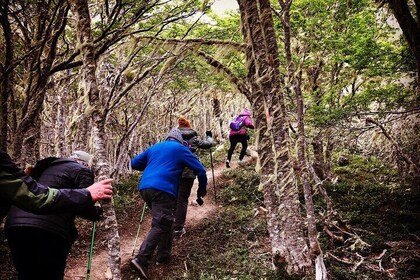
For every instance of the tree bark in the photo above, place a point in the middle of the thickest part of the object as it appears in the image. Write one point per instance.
(85, 40)
(295, 81)
(6, 74)
(50, 26)
(285, 223)
(410, 28)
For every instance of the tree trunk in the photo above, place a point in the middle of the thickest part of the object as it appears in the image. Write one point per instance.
(6, 74)
(285, 223)
(85, 40)
(37, 70)
(295, 81)
(408, 23)
(319, 161)
(60, 124)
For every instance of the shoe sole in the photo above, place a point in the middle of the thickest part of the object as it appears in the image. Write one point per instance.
(143, 274)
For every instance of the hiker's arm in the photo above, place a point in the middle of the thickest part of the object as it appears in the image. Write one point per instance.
(84, 179)
(204, 144)
(139, 162)
(195, 165)
(21, 190)
(248, 123)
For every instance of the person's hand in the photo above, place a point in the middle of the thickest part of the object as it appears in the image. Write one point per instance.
(101, 190)
(201, 191)
(209, 134)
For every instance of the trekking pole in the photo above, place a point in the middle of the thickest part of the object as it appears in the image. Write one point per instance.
(212, 172)
(89, 265)
(138, 229)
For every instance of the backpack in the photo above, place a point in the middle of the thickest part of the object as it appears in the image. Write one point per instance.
(237, 123)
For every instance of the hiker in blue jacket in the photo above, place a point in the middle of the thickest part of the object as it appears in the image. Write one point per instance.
(40, 243)
(162, 166)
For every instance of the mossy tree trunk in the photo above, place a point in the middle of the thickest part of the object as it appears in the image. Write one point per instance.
(285, 223)
(85, 40)
(295, 80)
(6, 73)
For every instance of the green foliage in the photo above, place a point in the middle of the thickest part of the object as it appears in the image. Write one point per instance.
(358, 55)
(126, 191)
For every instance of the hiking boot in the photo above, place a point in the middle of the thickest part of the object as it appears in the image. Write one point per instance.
(227, 163)
(140, 268)
(163, 261)
(179, 233)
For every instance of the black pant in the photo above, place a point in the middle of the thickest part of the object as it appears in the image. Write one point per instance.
(182, 202)
(234, 140)
(159, 237)
(38, 254)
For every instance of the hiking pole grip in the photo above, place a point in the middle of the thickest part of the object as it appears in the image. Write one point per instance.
(138, 229)
(89, 265)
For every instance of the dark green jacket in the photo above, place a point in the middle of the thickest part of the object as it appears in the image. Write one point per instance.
(21, 190)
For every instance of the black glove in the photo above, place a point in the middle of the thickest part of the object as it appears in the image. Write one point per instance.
(199, 201)
(209, 134)
(99, 213)
(201, 191)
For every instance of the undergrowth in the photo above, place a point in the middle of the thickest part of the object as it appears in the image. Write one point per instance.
(384, 215)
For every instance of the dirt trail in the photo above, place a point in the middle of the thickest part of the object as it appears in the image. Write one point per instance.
(76, 265)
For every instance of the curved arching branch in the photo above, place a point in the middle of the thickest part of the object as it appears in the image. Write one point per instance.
(242, 87)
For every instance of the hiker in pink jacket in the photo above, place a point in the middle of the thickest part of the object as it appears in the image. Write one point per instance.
(240, 136)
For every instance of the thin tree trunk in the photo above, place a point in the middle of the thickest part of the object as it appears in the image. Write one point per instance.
(85, 40)
(285, 223)
(60, 124)
(6, 74)
(319, 161)
(40, 60)
(295, 81)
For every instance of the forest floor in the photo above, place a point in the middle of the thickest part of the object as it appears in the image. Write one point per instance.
(76, 265)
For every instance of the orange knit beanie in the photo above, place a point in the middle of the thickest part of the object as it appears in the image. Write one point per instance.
(183, 122)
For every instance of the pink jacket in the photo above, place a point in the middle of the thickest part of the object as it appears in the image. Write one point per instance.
(247, 123)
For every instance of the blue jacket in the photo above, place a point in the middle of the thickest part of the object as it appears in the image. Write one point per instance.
(163, 164)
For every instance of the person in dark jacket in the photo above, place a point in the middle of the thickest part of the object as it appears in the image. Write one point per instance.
(193, 142)
(16, 188)
(40, 243)
(240, 136)
(162, 165)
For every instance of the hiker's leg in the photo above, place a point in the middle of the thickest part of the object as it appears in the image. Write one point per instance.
(244, 143)
(52, 250)
(233, 141)
(37, 253)
(164, 247)
(22, 245)
(162, 205)
(182, 202)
